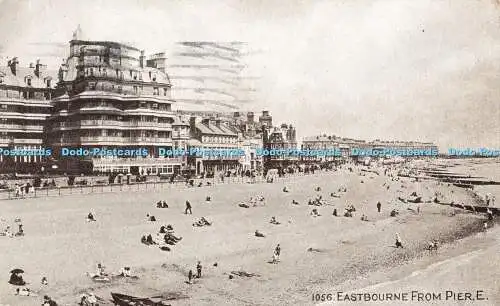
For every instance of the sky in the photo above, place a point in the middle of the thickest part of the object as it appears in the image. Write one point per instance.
(426, 70)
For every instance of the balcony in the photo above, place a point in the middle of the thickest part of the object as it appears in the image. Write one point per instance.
(21, 127)
(27, 141)
(122, 140)
(139, 161)
(99, 124)
(107, 139)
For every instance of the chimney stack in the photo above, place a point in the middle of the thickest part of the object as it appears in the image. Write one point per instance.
(39, 68)
(250, 117)
(192, 123)
(205, 121)
(141, 59)
(13, 65)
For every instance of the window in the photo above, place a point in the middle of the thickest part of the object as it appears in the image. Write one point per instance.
(28, 81)
(135, 89)
(165, 90)
(104, 71)
(92, 85)
(154, 78)
(92, 71)
(49, 83)
(156, 91)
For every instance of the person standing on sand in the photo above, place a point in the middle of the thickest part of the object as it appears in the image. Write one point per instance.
(190, 276)
(188, 208)
(277, 251)
(379, 206)
(399, 243)
(198, 269)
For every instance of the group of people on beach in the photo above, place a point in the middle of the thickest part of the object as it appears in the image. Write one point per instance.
(7, 230)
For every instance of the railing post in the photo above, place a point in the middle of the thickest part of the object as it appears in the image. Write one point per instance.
(59, 189)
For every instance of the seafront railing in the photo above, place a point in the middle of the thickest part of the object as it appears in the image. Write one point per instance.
(43, 192)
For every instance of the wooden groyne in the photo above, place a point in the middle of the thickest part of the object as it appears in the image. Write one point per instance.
(474, 208)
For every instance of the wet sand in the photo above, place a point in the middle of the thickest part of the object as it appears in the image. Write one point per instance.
(61, 245)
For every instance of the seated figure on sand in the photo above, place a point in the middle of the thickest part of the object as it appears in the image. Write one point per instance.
(20, 231)
(347, 213)
(125, 272)
(88, 300)
(315, 213)
(151, 218)
(148, 240)
(364, 218)
(24, 292)
(100, 270)
(202, 222)
(47, 301)
(258, 234)
(162, 204)
(244, 205)
(90, 217)
(274, 221)
(285, 189)
(295, 202)
(433, 245)
(16, 279)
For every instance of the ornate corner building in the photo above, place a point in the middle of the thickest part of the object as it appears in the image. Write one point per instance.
(111, 96)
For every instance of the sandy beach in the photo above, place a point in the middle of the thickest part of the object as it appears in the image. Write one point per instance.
(347, 253)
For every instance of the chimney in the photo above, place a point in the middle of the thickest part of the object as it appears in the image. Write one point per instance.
(192, 123)
(205, 121)
(32, 66)
(141, 59)
(236, 114)
(39, 68)
(250, 117)
(13, 65)
(265, 113)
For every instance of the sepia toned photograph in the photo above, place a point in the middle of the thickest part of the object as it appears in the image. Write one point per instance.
(248, 152)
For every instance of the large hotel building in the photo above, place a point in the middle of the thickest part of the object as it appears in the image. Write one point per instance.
(25, 95)
(110, 95)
